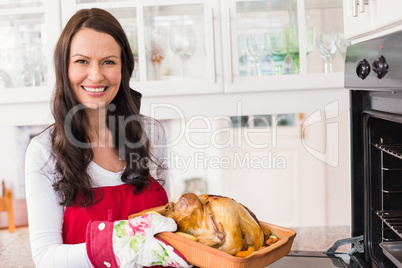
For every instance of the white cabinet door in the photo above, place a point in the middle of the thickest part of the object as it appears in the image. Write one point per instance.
(386, 13)
(28, 34)
(275, 45)
(356, 21)
(376, 18)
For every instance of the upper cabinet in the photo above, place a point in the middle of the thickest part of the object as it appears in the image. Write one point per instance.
(185, 47)
(277, 45)
(204, 47)
(27, 38)
(363, 18)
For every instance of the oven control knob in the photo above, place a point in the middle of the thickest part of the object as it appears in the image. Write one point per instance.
(363, 69)
(380, 67)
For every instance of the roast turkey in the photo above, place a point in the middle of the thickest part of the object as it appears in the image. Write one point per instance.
(217, 221)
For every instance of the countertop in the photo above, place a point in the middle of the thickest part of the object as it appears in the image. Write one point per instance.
(15, 250)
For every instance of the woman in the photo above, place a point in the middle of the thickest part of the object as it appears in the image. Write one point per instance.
(99, 161)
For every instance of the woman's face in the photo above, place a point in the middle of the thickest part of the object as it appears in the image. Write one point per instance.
(94, 68)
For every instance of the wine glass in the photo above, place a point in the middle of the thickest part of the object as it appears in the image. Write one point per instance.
(341, 43)
(277, 48)
(133, 41)
(327, 47)
(310, 39)
(156, 50)
(243, 55)
(257, 47)
(292, 45)
(182, 41)
(34, 65)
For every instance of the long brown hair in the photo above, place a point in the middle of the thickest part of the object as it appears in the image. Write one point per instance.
(72, 181)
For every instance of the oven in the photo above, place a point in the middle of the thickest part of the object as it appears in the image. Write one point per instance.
(373, 73)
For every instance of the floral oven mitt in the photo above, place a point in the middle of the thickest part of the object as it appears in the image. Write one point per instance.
(132, 243)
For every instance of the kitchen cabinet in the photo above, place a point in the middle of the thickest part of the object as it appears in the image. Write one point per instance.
(28, 34)
(279, 45)
(363, 18)
(192, 47)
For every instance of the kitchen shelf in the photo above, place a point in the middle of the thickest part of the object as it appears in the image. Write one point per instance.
(392, 218)
(392, 149)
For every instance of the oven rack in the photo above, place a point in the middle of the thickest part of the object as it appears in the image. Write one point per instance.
(392, 149)
(392, 218)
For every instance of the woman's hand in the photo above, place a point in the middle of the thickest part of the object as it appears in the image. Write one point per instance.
(132, 243)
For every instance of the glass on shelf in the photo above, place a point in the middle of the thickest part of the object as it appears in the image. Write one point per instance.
(243, 55)
(277, 47)
(155, 51)
(341, 43)
(257, 48)
(34, 67)
(175, 42)
(326, 44)
(292, 43)
(326, 17)
(182, 42)
(310, 39)
(22, 51)
(292, 46)
(261, 36)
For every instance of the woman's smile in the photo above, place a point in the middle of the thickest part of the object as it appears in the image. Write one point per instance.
(95, 89)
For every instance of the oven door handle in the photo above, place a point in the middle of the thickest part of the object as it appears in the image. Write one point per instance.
(358, 247)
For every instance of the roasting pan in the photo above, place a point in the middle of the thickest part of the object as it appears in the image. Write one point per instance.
(204, 256)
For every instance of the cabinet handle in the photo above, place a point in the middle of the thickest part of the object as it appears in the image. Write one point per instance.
(354, 8)
(230, 48)
(213, 45)
(361, 6)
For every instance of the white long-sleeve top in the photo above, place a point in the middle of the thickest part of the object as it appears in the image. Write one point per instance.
(45, 214)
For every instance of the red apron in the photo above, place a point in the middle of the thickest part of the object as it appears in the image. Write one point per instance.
(120, 199)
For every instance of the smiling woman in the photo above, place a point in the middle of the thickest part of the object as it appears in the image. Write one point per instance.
(80, 174)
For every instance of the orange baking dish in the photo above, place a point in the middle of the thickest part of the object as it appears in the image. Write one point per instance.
(204, 256)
